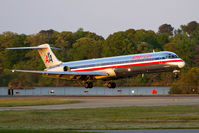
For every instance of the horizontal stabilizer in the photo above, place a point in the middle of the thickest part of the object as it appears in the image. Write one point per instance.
(64, 73)
(45, 52)
(36, 47)
(27, 48)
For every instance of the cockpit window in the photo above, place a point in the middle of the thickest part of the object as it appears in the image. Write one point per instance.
(171, 56)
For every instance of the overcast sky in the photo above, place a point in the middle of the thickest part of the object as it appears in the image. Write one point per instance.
(103, 17)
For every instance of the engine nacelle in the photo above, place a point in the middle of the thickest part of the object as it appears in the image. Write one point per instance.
(60, 69)
(66, 69)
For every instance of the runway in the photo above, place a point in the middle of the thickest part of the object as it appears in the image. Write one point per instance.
(109, 101)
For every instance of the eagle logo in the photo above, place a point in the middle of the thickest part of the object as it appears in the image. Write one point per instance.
(49, 58)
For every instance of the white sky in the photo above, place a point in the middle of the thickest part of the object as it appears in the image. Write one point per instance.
(103, 17)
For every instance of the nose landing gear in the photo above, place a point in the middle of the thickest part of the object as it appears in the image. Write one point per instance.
(111, 85)
(176, 74)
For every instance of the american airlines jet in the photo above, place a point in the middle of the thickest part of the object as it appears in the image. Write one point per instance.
(106, 69)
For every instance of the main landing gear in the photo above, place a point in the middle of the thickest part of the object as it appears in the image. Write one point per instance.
(88, 85)
(111, 85)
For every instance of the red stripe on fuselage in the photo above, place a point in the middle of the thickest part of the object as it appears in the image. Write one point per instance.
(126, 65)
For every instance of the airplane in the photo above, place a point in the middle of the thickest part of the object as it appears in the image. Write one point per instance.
(107, 68)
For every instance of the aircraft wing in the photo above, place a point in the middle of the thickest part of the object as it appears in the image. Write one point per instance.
(64, 73)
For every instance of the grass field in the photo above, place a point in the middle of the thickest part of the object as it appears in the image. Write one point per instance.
(162, 117)
(5, 102)
(38, 131)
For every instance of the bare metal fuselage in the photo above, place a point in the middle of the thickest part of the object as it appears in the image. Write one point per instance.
(121, 66)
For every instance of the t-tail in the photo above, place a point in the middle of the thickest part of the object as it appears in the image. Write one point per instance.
(46, 54)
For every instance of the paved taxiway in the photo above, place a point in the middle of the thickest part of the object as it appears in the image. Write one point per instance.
(110, 101)
(148, 131)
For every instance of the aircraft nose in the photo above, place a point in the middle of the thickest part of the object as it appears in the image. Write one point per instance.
(181, 64)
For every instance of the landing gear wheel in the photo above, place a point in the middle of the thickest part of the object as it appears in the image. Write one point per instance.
(88, 85)
(111, 85)
(176, 75)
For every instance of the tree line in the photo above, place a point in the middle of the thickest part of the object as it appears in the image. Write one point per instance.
(81, 44)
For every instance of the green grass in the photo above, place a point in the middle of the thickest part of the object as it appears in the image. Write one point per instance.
(5, 102)
(37, 131)
(162, 117)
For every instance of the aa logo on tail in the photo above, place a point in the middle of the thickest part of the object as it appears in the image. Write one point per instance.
(49, 58)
